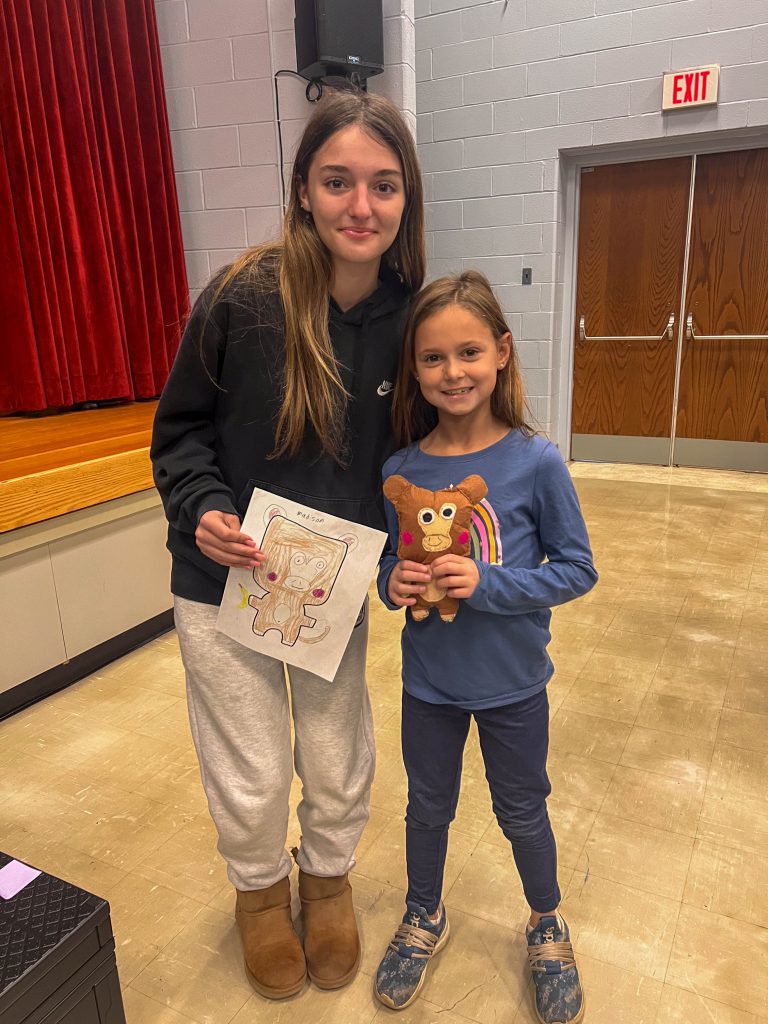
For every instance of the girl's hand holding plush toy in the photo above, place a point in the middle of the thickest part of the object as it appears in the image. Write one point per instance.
(407, 580)
(456, 574)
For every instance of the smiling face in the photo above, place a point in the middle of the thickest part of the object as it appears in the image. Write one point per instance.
(456, 361)
(431, 522)
(356, 196)
(299, 561)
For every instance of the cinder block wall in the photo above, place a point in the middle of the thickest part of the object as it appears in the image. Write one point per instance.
(219, 58)
(505, 86)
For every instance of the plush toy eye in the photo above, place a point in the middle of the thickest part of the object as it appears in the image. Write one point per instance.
(447, 511)
(426, 516)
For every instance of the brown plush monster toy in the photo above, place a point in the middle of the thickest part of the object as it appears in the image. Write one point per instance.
(434, 523)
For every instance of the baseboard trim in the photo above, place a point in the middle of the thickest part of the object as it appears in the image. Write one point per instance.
(58, 678)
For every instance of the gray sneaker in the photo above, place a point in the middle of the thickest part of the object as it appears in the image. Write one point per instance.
(403, 968)
(559, 996)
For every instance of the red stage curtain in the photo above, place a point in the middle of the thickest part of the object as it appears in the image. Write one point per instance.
(93, 288)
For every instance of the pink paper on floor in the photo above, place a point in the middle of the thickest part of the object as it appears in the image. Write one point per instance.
(14, 877)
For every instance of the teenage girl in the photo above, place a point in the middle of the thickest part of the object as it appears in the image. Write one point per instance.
(283, 381)
(491, 662)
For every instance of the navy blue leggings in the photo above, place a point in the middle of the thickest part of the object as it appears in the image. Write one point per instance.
(514, 741)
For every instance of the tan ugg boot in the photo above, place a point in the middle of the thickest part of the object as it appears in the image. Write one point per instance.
(273, 953)
(331, 941)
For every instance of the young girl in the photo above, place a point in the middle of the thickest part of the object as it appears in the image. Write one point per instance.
(283, 381)
(491, 662)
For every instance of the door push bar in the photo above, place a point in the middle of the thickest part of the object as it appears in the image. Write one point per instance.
(691, 334)
(667, 332)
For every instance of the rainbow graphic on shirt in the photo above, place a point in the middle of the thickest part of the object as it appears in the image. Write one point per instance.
(485, 534)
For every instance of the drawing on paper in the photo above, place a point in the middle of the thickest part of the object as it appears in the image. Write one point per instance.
(302, 604)
(301, 569)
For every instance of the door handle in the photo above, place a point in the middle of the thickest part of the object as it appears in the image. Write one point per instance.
(668, 331)
(691, 334)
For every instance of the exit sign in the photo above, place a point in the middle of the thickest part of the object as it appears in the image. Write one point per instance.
(694, 87)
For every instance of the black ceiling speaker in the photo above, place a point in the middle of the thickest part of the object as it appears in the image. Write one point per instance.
(339, 37)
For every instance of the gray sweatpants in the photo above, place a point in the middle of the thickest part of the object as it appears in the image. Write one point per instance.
(240, 720)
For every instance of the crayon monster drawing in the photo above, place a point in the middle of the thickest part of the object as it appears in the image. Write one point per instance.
(301, 604)
(301, 570)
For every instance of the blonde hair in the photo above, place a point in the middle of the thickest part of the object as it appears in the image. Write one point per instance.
(298, 268)
(413, 417)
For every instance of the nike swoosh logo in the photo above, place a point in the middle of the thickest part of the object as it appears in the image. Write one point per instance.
(385, 387)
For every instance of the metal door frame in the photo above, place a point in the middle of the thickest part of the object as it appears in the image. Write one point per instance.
(570, 169)
(683, 303)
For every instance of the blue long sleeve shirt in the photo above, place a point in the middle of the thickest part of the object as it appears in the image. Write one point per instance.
(530, 545)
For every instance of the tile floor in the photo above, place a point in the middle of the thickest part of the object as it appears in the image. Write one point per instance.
(659, 765)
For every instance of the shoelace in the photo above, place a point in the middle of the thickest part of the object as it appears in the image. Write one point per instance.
(562, 951)
(418, 938)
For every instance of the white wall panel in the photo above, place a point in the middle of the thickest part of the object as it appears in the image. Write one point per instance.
(111, 578)
(31, 640)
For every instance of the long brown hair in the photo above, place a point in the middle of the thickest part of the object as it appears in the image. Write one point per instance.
(298, 267)
(412, 415)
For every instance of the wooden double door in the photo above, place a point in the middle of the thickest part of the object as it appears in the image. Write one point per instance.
(671, 333)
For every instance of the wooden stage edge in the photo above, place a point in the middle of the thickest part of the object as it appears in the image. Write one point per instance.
(69, 461)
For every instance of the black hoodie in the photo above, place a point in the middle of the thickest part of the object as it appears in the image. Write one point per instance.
(215, 421)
